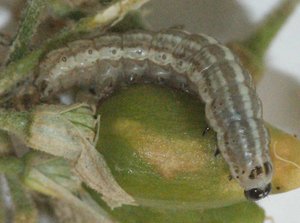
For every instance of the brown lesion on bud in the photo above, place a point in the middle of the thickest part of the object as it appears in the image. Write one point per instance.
(169, 157)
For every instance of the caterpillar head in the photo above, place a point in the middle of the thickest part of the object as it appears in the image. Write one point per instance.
(258, 193)
(256, 180)
(245, 147)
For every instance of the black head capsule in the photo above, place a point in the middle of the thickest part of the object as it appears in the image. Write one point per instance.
(257, 193)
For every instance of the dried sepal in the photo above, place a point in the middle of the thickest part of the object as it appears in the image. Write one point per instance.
(92, 169)
(69, 132)
(61, 130)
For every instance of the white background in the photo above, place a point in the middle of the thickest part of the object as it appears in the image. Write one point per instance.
(279, 88)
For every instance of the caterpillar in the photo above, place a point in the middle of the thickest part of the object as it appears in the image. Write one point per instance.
(194, 62)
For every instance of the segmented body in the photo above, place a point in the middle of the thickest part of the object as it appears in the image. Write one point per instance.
(188, 61)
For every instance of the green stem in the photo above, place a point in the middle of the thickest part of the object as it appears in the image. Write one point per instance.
(30, 21)
(22, 69)
(6, 146)
(259, 42)
(251, 51)
(15, 122)
(11, 165)
(24, 209)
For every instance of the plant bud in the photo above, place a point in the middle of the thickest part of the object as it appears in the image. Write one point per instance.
(156, 145)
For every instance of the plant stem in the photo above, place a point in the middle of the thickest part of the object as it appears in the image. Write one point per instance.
(252, 50)
(24, 209)
(15, 122)
(30, 21)
(259, 42)
(11, 165)
(6, 146)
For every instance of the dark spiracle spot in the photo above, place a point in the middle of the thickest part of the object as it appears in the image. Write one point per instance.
(139, 51)
(180, 63)
(114, 51)
(64, 59)
(90, 51)
(164, 57)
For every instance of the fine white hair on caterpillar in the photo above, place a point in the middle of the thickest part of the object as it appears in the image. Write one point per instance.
(192, 62)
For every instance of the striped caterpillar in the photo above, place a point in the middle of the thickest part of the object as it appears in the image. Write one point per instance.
(197, 63)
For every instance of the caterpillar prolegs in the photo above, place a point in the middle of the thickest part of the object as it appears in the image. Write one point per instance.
(195, 62)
